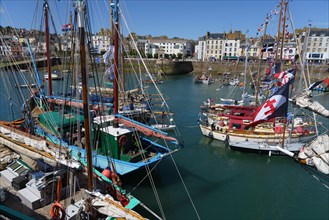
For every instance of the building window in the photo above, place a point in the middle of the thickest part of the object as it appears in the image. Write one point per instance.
(315, 39)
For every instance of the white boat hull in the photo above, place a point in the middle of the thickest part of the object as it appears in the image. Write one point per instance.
(265, 148)
(234, 137)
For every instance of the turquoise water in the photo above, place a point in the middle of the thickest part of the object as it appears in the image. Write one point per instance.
(222, 184)
(225, 184)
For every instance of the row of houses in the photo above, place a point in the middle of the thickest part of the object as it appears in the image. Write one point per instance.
(234, 46)
(210, 47)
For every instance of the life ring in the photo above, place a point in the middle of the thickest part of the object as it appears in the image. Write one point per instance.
(221, 123)
(57, 211)
(122, 140)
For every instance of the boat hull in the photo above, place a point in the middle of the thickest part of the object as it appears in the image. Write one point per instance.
(263, 149)
(235, 137)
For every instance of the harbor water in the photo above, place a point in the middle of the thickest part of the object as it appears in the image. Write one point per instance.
(207, 180)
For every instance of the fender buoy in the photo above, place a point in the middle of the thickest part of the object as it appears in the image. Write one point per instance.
(124, 200)
(57, 211)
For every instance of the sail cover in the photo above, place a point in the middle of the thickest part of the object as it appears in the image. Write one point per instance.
(145, 130)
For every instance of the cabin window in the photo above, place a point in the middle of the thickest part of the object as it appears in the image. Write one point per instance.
(236, 126)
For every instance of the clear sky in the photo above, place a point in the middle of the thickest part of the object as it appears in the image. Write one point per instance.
(175, 18)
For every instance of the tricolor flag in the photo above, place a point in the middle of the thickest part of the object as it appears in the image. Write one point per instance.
(66, 27)
(267, 47)
(275, 106)
(313, 85)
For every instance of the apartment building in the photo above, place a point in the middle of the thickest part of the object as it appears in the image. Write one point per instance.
(168, 46)
(101, 42)
(318, 46)
(5, 45)
(219, 46)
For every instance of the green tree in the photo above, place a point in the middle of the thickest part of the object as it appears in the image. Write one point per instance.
(179, 56)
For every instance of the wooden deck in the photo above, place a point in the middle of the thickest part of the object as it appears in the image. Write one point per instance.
(13, 201)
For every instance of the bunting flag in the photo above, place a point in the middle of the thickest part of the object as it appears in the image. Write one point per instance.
(66, 27)
(286, 76)
(109, 54)
(313, 85)
(275, 106)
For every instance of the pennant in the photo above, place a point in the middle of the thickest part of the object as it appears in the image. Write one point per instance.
(326, 81)
(313, 85)
(275, 106)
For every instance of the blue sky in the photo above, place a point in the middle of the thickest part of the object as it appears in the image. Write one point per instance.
(177, 18)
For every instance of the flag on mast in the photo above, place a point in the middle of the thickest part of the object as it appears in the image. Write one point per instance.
(275, 106)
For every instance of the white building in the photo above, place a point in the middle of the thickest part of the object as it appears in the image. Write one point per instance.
(318, 46)
(200, 49)
(168, 46)
(151, 49)
(101, 42)
(219, 46)
(5, 45)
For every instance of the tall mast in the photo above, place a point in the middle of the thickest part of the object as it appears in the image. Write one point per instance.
(116, 55)
(284, 4)
(50, 89)
(260, 65)
(81, 6)
(74, 78)
(279, 27)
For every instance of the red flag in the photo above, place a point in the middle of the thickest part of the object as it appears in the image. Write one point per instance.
(326, 81)
(275, 106)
